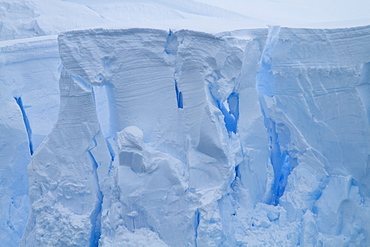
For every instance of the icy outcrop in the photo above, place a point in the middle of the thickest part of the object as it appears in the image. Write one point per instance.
(29, 98)
(64, 175)
(318, 128)
(244, 138)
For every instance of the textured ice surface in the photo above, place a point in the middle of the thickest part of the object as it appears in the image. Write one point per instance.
(245, 138)
(29, 98)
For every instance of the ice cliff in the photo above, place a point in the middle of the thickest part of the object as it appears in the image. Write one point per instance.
(246, 138)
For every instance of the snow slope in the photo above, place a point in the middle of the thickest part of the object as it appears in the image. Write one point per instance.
(30, 18)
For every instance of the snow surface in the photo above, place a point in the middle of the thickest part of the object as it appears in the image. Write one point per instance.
(160, 136)
(31, 18)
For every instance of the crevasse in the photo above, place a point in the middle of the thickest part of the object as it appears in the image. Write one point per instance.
(26, 122)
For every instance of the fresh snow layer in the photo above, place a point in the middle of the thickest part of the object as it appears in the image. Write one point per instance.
(30, 18)
(254, 137)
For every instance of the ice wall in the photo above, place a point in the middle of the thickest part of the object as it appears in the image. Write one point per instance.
(245, 138)
(29, 97)
(318, 128)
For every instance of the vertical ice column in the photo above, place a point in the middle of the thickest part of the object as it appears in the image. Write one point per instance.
(29, 97)
(65, 194)
(14, 156)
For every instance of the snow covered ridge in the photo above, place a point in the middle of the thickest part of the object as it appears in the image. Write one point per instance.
(245, 138)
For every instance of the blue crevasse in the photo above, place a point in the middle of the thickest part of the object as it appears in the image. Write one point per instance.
(95, 217)
(229, 109)
(178, 96)
(280, 159)
(196, 225)
(265, 83)
(26, 123)
(171, 45)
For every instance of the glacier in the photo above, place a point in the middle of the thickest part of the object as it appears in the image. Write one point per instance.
(149, 137)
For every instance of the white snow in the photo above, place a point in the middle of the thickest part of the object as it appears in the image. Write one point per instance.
(30, 18)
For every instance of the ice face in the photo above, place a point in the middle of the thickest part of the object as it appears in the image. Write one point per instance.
(30, 101)
(64, 187)
(246, 138)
